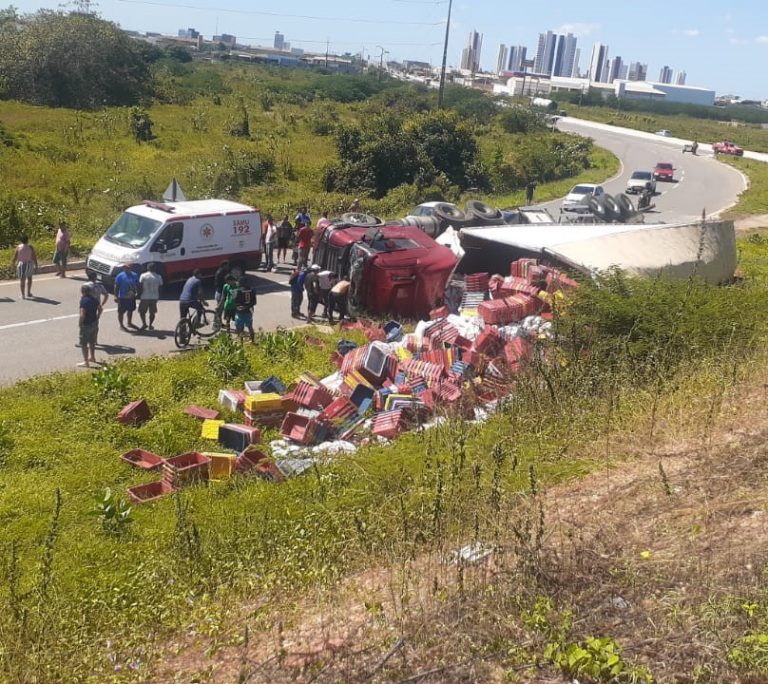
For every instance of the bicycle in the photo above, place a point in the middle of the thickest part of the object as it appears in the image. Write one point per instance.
(203, 324)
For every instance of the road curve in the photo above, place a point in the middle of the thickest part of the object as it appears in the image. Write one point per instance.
(701, 183)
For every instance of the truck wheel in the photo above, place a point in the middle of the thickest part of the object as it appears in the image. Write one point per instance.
(353, 218)
(612, 209)
(597, 209)
(450, 214)
(483, 212)
(626, 208)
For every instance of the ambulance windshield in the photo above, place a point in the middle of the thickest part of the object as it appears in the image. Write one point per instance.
(132, 230)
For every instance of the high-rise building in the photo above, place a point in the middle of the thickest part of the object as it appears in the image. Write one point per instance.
(470, 55)
(576, 72)
(517, 54)
(545, 53)
(597, 65)
(681, 76)
(637, 72)
(188, 33)
(279, 43)
(665, 75)
(502, 58)
(614, 69)
(565, 54)
(623, 72)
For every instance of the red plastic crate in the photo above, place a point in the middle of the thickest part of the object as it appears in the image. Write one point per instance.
(439, 312)
(145, 460)
(151, 491)
(135, 413)
(301, 429)
(185, 469)
(476, 282)
(312, 396)
(521, 305)
(269, 471)
(519, 268)
(495, 312)
(449, 392)
(489, 341)
(339, 409)
(248, 460)
(272, 419)
(535, 274)
(388, 424)
(201, 413)
(511, 286)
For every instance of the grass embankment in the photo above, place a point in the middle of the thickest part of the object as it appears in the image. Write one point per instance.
(749, 136)
(88, 599)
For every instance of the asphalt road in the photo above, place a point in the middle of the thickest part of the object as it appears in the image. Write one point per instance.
(39, 335)
(701, 183)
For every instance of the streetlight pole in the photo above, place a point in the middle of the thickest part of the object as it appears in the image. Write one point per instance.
(441, 92)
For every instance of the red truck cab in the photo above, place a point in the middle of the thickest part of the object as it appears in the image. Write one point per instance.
(394, 269)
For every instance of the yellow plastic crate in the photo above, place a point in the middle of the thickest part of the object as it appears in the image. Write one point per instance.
(263, 403)
(221, 465)
(210, 429)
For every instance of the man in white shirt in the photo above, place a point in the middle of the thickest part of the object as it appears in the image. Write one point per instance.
(270, 242)
(149, 286)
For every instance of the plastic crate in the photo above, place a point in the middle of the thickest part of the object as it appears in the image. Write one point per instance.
(439, 312)
(269, 471)
(362, 397)
(488, 342)
(258, 403)
(270, 419)
(201, 413)
(521, 306)
(476, 282)
(338, 410)
(519, 268)
(302, 429)
(145, 460)
(388, 424)
(232, 399)
(393, 331)
(273, 384)
(185, 469)
(535, 275)
(136, 413)
(221, 465)
(312, 396)
(248, 460)
(151, 491)
(210, 429)
(495, 312)
(237, 437)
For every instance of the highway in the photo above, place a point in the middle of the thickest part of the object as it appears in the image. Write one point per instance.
(701, 182)
(40, 335)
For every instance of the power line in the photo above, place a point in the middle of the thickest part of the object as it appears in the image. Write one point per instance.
(322, 42)
(282, 16)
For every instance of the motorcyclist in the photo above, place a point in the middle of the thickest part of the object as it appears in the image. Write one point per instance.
(694, 147)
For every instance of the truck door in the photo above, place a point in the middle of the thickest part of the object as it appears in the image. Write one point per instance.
(168, 248)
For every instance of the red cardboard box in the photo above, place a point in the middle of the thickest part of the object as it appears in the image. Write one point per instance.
(135, 413)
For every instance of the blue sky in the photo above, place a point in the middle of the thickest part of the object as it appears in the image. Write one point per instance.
(721, 45)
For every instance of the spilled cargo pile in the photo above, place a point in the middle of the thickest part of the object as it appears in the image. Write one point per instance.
(455, 364)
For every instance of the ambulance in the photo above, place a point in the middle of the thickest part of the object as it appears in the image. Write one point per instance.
(179, 237)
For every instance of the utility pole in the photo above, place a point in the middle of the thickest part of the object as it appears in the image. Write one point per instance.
(441, 91)
(381, 59)
(327, 44)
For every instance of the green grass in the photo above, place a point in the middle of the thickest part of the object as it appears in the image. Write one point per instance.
(754, 200)
(68, 589)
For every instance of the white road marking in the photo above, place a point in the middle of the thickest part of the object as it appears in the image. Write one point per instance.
(46, 320)
(34, 280)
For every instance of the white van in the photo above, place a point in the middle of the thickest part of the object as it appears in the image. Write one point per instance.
(179, 237)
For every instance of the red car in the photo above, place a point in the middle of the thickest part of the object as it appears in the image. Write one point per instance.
(727, 147)
(664, 171)
(394, 269)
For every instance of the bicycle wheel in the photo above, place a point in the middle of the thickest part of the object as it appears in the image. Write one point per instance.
(183, 333)
(205, 323)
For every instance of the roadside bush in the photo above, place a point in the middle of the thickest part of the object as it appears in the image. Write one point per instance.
(517, 119)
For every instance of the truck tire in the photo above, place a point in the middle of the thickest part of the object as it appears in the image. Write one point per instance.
(612, 209)
(626, 208)
(450, 215)
(359, 219)
(431, 225)
(597, 208)
(483, 213)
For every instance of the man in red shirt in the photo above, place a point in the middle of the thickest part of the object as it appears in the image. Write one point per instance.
(304, 242)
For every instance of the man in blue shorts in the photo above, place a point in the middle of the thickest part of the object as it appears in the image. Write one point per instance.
(90, 311)
(126, 291)
(245, 299)
(192, 294)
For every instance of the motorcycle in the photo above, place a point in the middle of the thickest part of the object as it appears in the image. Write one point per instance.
(644, 203)
(691, 148)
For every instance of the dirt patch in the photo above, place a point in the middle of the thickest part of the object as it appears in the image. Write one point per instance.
(658, 551)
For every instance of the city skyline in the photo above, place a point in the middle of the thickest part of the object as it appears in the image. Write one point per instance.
(716, 46)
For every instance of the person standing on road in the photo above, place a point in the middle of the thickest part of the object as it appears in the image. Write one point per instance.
(284, 233)
(296, 281)
(90, 312)
(312, 286)
(530, 186)
(126, 291)
(304, 242)
(270, 241)
(149, 286)
(337, 299)
(245, 300)
(219, 279)
(97, 289)
(63, 242)
(302, 217)
(228, 307)
(25, 263)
